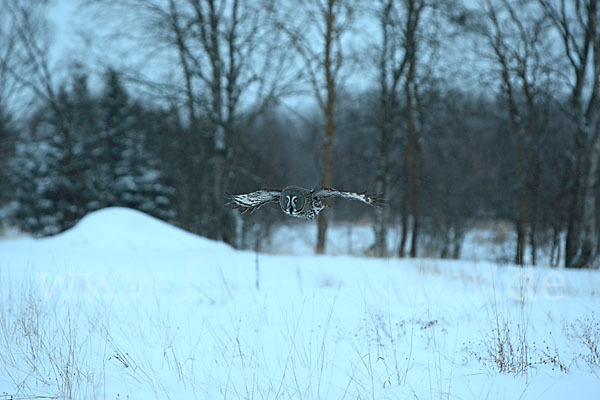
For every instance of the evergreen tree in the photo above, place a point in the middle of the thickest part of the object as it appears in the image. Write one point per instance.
(135, 176)
(7, 148)
(44, 205)
(86, 153)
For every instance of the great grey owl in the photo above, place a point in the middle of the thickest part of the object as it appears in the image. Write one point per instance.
(296, 201)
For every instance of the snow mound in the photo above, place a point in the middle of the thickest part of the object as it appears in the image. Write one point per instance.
(118, 227)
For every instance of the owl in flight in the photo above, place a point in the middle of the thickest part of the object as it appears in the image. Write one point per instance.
(296, 201)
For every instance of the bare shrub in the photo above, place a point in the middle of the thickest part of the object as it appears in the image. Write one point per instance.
(547, 355)
(586, 332)
(504, 350)
(46, 351)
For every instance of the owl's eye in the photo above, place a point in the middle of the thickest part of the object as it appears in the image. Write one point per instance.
(295, 201)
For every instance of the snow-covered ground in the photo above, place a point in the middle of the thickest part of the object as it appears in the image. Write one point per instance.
(299, 238)
(125, 306)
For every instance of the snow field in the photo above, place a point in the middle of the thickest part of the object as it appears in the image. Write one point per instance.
(480, 243)
(125, 306)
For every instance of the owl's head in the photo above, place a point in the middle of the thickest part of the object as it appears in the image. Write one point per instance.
(292, 200)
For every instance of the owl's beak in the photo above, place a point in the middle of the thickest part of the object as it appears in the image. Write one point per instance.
(291, 209)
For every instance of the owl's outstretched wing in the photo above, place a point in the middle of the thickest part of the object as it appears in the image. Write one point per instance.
(253, 201)
(325, 192)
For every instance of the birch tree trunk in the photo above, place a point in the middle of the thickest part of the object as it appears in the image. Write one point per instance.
(411, 159)
(517, 38)
(589, 243)
(329, 110)
(327, 156)
(392, 62)
(315, 29)
(574, 218)
(576, 22)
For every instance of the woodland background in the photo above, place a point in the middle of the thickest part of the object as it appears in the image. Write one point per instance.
(455, 113)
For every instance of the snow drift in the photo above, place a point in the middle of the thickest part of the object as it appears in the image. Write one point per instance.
(124, 228)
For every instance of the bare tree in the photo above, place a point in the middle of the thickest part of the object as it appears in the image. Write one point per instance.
(28, 51)
(31, 70)
(8, 44)
(414, 127)
(402, 67)
(576, 22)
(391, 64)
(230, 70)
(7, 90)
(316, 29)
(516, 34)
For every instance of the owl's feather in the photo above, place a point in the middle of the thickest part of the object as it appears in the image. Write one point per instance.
(325, 192)
(253, 201)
